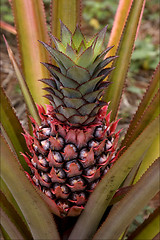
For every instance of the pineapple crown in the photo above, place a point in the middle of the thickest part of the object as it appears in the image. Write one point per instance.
(77, 83)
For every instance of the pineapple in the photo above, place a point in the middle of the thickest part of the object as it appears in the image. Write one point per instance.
(76, 144)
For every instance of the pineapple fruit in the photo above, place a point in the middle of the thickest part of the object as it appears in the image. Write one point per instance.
(76, 144)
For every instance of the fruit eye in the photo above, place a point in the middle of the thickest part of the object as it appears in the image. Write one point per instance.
(93, 143)
(83, 153)
(102, 159)
(42, 161)
(45, 144)
(98, 132)
(90, 171)
(46, 131)
(59, 172)
(45, 177)
(57, 157)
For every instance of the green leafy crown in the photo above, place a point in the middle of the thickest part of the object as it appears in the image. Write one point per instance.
(77, 83)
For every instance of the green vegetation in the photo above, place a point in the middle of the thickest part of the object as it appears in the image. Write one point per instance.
(6, 13)
(145, 55)
(97, 13)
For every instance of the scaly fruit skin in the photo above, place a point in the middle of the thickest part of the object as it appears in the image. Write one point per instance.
(75, 145)
(67, 163)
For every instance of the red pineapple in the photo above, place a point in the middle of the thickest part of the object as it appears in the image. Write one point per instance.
(76, 144)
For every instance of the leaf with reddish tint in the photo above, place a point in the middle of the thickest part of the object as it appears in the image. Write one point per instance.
(26, 93)
(13, 128)
(7, 27)
(13, 216)
(146, 101)
(123, 214)
(35, 211)
(29, 17)
(118, 25)
(152, 111)
(118, 76)
(120, 193)
(10, 227)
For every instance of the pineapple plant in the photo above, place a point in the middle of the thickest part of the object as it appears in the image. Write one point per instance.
(72, 149)
(76, 144)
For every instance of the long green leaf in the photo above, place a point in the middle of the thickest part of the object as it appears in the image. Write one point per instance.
(14, 217)
(9, 227)
(68, 11)
(152, 111)
(149, 229)
(35, 211)
(26, 93)
(13, 128)
(102, 195)
(6, 192)
(151, 154)
(3, 234)
(144, 163)
(121, 63)
(157, 237)
(122, 215)
(146, 101)
(118, 25)
(31, 26)
(130, 178)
